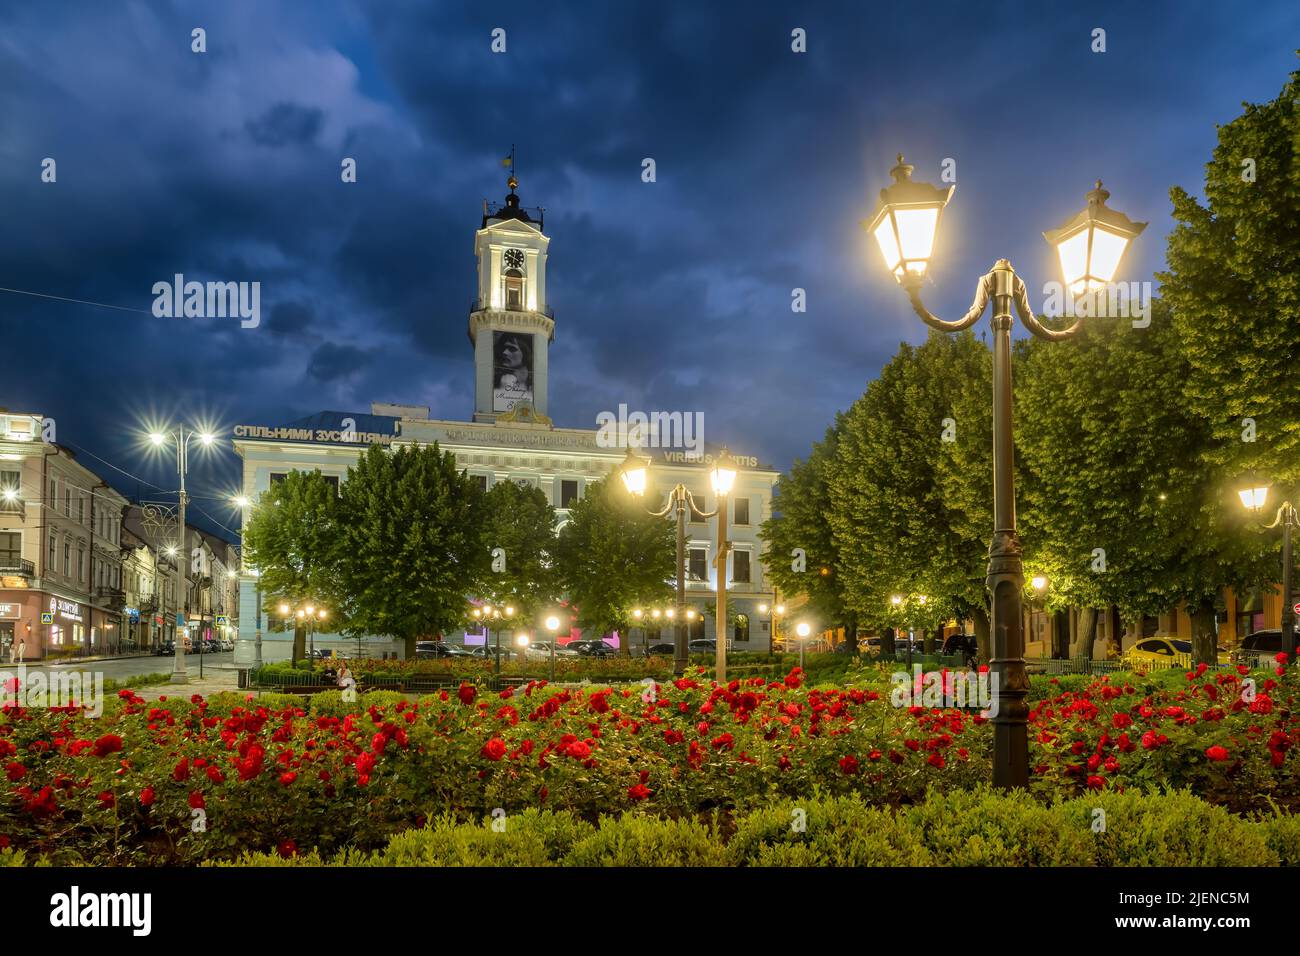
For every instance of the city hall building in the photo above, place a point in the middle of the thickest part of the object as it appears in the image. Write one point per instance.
(510, 437)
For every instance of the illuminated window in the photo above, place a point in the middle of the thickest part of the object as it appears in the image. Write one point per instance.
(697, 566)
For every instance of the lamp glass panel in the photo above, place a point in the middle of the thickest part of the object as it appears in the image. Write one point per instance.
(1253, 498)
(888, 244)
(916, 229)
(1107, 249)
(723, 479)
(1073, 253)
(634, 479)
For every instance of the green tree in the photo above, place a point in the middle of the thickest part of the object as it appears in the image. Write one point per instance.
(1233, 285)
(801, 557)
(910, 484)
(293, 540)
(413, 548)
(521, 522)
(613, 556)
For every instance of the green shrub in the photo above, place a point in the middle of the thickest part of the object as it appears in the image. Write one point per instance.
(634, 840)
(1282, 834)
(1165, 829)
(982, 827)
(839, 831)
(530, 838)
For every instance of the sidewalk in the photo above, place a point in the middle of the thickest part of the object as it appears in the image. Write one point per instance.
(214, 682)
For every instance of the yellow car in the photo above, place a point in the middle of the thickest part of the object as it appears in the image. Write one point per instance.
(1157, 653)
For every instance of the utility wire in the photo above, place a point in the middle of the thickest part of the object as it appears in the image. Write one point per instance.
(60, 298)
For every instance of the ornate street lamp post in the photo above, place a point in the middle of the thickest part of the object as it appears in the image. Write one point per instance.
(722, 476)
(1254, 499)
(1090, 247)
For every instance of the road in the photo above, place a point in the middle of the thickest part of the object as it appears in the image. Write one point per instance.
(124, 668)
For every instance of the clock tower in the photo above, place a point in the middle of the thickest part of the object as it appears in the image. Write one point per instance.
(509, 323)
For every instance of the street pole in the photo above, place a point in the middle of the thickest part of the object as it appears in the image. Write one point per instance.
(1006, 580)
(179, 676)
(1288, 600)
(679, 621)
(720, 625)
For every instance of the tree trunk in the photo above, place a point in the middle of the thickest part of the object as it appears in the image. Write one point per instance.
(1114, 632)
(851, 633)
(1204, 650)
(409, 647)
(887, 644)
(981, 618)
(928, 640)
(1060, 635)
(299, 643)
(1085, 634)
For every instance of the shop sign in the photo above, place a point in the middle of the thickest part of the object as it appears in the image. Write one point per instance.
(10, 610)
(70, 610)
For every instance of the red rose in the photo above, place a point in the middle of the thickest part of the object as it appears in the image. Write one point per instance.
(197, 802)
(849, 764)
(287, 848)
(15, 771)
(577, 750)
(1149, 740)
(494, 749)
(638, 792)
(107, 744)
(1217, 753)
(1096, 783)
(215, 775)
(874, 755)
(466, 694)
(182, 770)
(146, 797)
(107, 799)
(935, 760)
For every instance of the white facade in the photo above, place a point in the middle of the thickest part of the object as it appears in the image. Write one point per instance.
(518, 443)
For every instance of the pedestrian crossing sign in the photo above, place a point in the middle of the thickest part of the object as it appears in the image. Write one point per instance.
(47, 617)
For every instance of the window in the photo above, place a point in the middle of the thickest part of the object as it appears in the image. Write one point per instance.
(277, 477)
(482, 482)
(568, 493)
(81, 510)
(332, 481)
(11, 481)
(54, 494)
(697, 564)
(81, 564)
(697, 516)
(11, 548)
(67, 502)
(740, 567)
(67, 560)
(50, 562)
(740, 631)
(742, 511)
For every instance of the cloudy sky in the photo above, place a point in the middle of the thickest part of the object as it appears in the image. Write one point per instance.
(671, 295)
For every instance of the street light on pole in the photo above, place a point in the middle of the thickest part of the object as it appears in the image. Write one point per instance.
(1089, 247)
(553, 626)
(180, 439)
(635, 474)
(803, 630)
(723, 477)
(1254, 498)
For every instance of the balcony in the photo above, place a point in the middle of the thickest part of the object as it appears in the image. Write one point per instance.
(114, 598)
(478, 305)
(17, 566)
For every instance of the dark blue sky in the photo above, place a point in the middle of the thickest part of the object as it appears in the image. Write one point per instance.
(673, 295)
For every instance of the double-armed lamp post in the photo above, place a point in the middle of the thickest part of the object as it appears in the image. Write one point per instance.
(722, 475)
(1089, 247)
(1254, 498)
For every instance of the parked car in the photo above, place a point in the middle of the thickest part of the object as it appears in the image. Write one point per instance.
(667, 650)
(1260, 647)
(483, 650)
(702, 646)
(426, 650)
(543, 649)
(1152, 652)
(166, 649)
(592, 648)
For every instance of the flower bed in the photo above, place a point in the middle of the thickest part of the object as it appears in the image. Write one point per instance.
(191, 779)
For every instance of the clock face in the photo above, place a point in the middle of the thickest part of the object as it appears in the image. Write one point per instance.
(514, 259)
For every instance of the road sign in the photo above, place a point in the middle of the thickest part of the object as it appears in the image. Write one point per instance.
(180, 620)
(47, 617)
(1297, 610)
(221, 620)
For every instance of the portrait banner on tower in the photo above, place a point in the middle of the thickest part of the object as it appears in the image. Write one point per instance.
(512, 370)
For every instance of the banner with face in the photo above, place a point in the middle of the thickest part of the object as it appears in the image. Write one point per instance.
(512, 370)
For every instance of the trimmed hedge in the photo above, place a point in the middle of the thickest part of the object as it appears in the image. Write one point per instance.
(968, 828)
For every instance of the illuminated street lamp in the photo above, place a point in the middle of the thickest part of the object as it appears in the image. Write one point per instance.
(1090, 247)
(553, 626)
(1254, 498)
(487, 614)
(635, 472)
(803, 630)
(181, 439)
